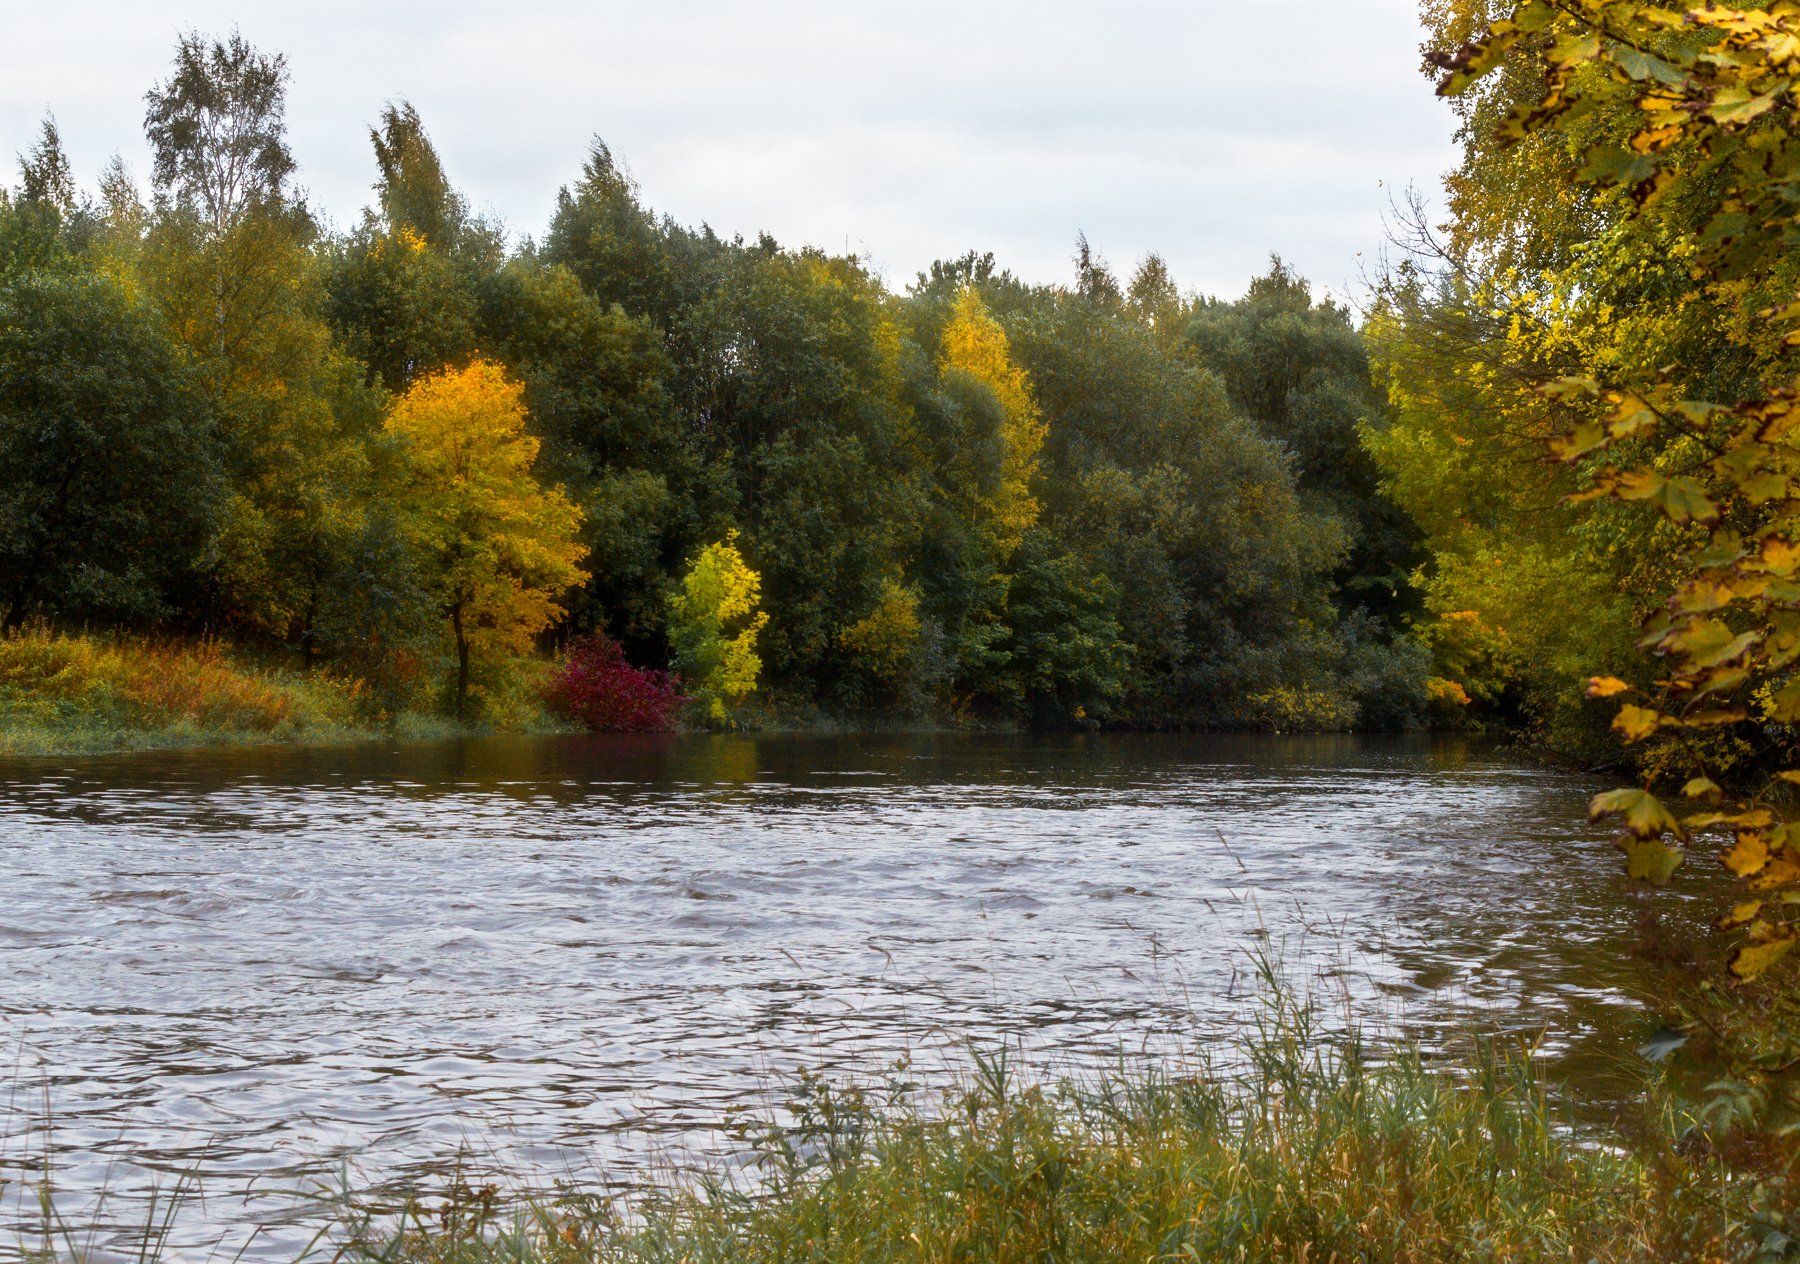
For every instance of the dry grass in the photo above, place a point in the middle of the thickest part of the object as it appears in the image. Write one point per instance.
(60, 691)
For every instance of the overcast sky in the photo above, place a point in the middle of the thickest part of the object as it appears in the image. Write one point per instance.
(1210, 131)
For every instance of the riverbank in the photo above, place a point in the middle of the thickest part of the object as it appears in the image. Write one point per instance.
(68, 694)
(1292, 1146)
(1309, 1156)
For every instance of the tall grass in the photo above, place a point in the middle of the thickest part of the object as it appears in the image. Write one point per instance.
(66, 692)
(1308, 1152)
(63, 693)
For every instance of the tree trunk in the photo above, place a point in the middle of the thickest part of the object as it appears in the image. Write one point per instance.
(462, 660)
(308, 641)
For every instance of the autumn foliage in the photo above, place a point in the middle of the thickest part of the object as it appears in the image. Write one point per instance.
(1690, 423)
(714, 619)
(498, 548)
(416, 449)
(596, 687)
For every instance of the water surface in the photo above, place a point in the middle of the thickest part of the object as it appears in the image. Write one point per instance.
(576, 956)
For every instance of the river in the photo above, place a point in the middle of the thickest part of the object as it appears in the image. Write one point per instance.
(574, 957)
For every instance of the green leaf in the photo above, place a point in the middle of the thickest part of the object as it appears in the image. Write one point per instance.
(1641, 66)
(1706, 643)
(1533, 16)
(1736, 105)
(1573, 50)
(1650, 860)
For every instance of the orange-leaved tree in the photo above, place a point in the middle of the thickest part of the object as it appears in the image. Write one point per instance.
(496, 547)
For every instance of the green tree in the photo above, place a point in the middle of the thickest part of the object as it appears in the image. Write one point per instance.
(217, 133)
(597, 387)
(109, 470)
(1150, 473)
(404, 289)
(1065, 658)
(44, 176)
(230, 257)
(1299, 369)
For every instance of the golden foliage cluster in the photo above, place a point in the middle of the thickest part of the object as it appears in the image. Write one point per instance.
(1707, 171)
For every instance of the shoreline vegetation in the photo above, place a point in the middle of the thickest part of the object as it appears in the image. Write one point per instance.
(1293, 1143)
(419, 450)
(71, 694)
(65, 694)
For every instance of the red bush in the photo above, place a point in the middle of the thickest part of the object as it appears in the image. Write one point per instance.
(595, 686)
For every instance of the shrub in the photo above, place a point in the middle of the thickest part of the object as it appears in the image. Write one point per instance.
(1298, 709)
(883, 641)
(595, 686)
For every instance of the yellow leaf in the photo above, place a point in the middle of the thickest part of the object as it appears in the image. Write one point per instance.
(1782, 871)
(1635, 723)
(1701, 788)
(1779, 556)
(1784, 706)
(1748, 855)
(1605, 686)
(1643, 812)
(1716, 718)
(1740, 915)
(1579, 440)
(1751, 960)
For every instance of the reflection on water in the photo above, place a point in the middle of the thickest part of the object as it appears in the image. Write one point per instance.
(576, 955)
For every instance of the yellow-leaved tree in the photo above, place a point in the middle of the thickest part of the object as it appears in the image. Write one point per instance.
(886, 639)
(496, 547)
(975, 344)
(1683, 120)
(714, 617)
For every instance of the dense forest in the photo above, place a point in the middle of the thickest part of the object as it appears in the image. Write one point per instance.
(426, 454)
(417, 451)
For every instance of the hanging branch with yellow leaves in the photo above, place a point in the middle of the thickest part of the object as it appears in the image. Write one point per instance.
(1709, 166)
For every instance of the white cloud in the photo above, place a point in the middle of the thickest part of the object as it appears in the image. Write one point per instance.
(1211, 132)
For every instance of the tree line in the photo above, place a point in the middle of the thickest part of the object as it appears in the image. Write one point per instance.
(416, 450)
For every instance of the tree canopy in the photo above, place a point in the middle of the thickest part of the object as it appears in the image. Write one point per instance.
(421, 447)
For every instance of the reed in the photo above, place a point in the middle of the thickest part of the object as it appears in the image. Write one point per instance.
(1307, 1150)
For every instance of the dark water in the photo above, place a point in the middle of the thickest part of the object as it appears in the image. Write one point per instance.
(574, 956)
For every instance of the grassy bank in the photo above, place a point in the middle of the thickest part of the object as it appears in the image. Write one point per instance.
(63, 694)
(1294, 1148)
(1308, 1152)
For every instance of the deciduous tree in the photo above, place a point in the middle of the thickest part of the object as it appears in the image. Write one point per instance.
(714, 619)
(497, 548)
